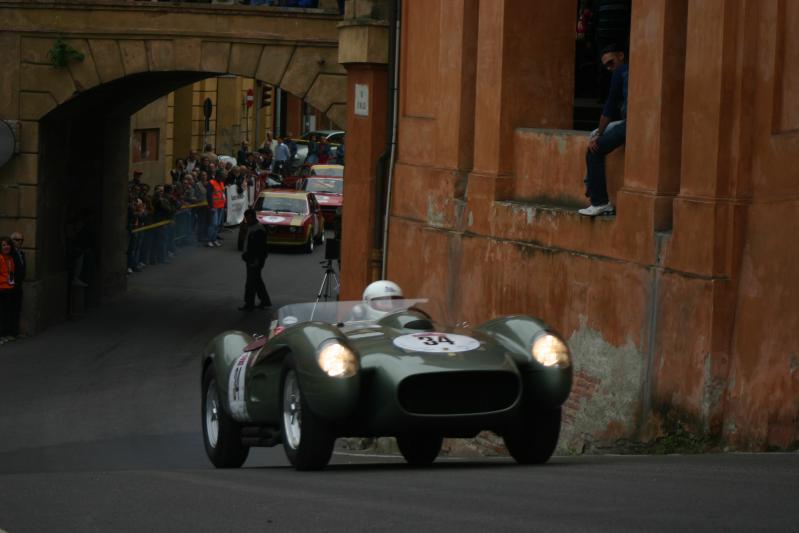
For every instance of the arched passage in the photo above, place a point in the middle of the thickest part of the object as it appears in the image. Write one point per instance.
(75, 118)
(83, 172)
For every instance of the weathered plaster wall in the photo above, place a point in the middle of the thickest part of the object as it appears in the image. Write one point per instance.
(681, 309)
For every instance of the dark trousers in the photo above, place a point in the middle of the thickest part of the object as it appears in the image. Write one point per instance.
(16, 302)
(595, 179)
(9, 318)
(255, 285)
(202, 223)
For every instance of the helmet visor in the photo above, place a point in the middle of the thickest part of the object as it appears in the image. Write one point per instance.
(385, 303)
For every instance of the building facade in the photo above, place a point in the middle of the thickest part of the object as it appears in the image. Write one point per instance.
(682, 309)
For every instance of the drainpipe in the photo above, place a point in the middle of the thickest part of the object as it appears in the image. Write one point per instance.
(393, 80)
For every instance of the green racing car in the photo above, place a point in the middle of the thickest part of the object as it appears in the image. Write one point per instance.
(343, 369)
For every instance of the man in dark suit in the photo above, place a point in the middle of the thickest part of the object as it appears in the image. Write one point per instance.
(254, 257)
(20, 263)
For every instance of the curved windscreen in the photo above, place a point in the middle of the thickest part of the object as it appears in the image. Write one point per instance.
(282, 204)
(347, 312)
(329, 171)
(325, 185)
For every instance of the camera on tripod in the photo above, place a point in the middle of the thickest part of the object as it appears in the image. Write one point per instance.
(333, 249)
(330, 284)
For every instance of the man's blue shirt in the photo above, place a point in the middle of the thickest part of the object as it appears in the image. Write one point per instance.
(616, 103)
(282, 152)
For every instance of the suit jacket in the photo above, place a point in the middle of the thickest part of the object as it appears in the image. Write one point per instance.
(19, 266)
(255, 245)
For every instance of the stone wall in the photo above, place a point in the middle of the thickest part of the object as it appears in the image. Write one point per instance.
(680, 309)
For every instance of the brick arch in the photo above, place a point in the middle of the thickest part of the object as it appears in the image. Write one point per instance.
(311, 72)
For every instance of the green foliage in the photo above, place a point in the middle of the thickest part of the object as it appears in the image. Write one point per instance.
(62, 53)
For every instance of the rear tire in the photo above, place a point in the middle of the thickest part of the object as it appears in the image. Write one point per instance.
(307, 439)
(535, 437)
(221, 434)
(420, 450)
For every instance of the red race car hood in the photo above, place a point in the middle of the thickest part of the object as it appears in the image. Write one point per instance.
(329, 199)
(281, 218)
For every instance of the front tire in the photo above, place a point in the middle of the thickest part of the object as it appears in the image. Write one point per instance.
(221, 434)
(419, 450)
(307, 440)
(534, 439)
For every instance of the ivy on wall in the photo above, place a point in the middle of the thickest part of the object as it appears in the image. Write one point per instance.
(62, 53)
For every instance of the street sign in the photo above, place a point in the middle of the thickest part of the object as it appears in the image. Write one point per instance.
(362, 99)
(249, 98)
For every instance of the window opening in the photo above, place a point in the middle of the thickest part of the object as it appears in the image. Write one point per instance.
(599, 23)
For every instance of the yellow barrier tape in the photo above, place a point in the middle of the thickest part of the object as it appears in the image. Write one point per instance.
(189, 206)
(152, 226)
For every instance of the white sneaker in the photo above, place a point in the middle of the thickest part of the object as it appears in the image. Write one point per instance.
(594, 210)
(130, 270)
(211, 244)
(217, 243)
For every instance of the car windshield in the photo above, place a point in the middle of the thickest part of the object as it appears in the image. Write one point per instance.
(330, 171)
(325, 185)
(282, 203)
(343, 313)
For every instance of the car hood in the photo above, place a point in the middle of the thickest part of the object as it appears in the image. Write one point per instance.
(281, 219)
(438, 349)
(328, 200)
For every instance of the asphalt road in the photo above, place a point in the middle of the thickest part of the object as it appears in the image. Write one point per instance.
(100, 431)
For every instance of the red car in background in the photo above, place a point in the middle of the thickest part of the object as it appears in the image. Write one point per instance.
(310, 170)
(329, 193)
(291, 217)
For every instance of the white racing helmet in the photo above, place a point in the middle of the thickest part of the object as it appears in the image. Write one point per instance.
(377, 297)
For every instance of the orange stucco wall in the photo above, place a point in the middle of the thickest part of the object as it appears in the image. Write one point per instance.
(681, 310)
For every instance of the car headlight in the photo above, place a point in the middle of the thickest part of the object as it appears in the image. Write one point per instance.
(550, 351)
(337, 360)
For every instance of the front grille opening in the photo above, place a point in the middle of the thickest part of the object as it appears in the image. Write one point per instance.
(449, 393)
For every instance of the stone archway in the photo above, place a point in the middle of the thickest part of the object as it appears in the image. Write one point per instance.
(75, 120)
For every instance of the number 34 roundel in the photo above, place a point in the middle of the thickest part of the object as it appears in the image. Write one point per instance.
(434, 342)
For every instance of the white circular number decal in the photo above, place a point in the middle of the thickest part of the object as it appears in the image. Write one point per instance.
(273, 219)
(434, 342)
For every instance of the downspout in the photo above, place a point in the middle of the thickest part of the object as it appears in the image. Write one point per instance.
(394, 53)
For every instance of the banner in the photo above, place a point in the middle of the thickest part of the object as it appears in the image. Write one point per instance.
(236, 205)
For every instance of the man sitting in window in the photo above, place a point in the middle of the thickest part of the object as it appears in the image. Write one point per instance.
(609, 135)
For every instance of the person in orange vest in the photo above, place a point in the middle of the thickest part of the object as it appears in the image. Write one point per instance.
(8, 314)
(216, 203)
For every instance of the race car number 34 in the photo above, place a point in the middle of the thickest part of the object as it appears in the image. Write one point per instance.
(434, 342)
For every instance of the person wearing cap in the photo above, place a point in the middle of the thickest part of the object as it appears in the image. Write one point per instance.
(609, 135)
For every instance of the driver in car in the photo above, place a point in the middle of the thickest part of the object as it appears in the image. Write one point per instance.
(378, 300)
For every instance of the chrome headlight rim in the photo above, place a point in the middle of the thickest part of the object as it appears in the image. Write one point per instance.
(550, 351)
(336, 360)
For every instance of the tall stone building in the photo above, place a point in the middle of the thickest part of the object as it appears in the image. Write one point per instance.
(682, 308)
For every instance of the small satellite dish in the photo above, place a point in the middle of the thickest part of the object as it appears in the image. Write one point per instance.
(8, 142)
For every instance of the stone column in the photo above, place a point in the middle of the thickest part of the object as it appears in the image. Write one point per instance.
(653, 152)
(363, 50)
(525, 78)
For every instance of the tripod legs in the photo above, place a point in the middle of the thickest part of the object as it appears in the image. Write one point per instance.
(326, 289)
